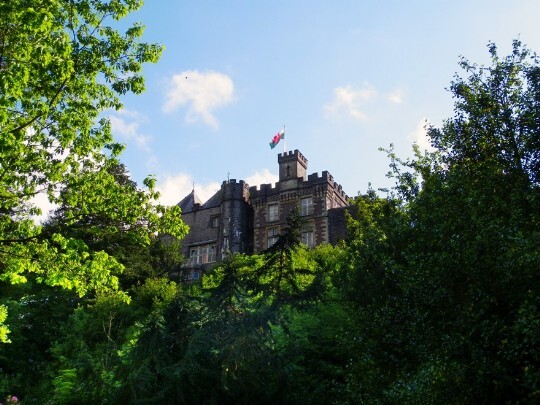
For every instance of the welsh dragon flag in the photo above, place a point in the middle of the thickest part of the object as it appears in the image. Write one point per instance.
(275, 140)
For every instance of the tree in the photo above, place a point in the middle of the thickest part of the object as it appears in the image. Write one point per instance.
(119, 237)
(497, 115)
(288, 276)
(448, 309)
(249, 304)
(62, 65)
(477, 232)
(37, 315)
(121, 352)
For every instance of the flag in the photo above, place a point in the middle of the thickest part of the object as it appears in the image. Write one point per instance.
(279, 136)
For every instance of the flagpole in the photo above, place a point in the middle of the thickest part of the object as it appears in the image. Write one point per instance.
(284, 143)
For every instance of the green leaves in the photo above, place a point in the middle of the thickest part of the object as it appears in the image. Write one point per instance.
(496, 118)
(62, 64)
(4, 330)
(441, 273)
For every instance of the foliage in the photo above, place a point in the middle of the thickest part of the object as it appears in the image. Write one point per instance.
(288, 276)
(119, 237)
(285, 275)
(4, 330)
(62, 64)
(111, 345)
(496, 115)
(314, 348)
(447, 267)
(250, 302)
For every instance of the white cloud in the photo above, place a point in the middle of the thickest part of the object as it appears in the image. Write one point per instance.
(396, 96)
(125, 125)
(349, 101)
(175, 187)
(262, 177)
(419, 136)
(201, 92)
(152, 163)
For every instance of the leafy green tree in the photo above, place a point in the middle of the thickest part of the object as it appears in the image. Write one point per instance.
(37, 313)
(62, 64)
(314, 342)
(496, 115)
(48, 322)
(369, 285)
(447, 268)
(288, 276)
(484, 244)
(250, 303)
(112, 351)
(122, 239)
(154, 342)
(85, 355)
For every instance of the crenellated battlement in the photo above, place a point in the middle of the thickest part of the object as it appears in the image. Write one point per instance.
(239, 189)
(292, 165)
(312, 180)
(291, 156)
(233, 182)
(233, 189)
(262, 189)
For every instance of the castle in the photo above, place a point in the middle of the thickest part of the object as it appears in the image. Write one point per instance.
(244, 219)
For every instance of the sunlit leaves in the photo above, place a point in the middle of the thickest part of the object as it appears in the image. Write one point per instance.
(497, 115)
(62, 64)
(4, 330)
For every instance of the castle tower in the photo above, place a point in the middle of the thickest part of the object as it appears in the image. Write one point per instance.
(235, 214)
(292, 165)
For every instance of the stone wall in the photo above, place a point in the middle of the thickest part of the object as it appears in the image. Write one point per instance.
(201, 231)
(325, 193)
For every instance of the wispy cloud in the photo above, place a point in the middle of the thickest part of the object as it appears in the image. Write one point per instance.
(419, 136)
(355, 102)
(350, 101)
(201, 92)
(396, 96)
(126, 126)
(174, 187)
(261, 177)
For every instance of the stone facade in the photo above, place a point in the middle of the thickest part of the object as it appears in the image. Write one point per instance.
(239, 218)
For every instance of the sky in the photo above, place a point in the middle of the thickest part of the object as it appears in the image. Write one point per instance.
(344, 77)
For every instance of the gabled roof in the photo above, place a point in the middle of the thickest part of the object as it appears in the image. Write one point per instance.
(189, 201)
(214, 201)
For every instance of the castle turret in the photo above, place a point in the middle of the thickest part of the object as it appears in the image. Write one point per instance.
(292, 165)
(235, 214)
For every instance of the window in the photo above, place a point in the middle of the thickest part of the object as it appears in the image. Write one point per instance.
(214, 221)
(202, 254)
(273, 212)
(306, 206)
(307, 238)
(273, 235)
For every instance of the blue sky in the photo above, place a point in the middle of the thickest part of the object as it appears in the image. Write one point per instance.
(344, 77)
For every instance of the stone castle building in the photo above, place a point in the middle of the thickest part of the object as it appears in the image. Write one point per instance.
(244, 219)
